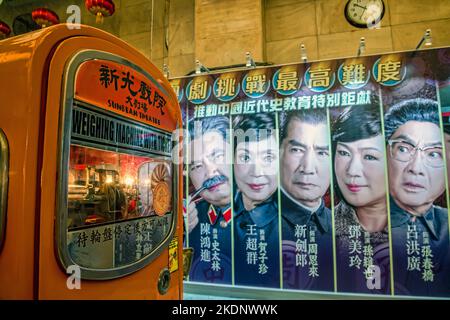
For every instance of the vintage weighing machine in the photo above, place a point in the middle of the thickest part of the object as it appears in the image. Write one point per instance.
(89, 170)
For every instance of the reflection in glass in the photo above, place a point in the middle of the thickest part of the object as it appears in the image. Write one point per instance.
(108, 186)
(118, 207)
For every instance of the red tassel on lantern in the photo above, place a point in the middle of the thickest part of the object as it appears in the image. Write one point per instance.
(101, 8)
(44, 17)
(5, 30)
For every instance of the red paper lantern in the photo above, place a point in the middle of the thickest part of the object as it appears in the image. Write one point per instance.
(5, 30)
(44, 17)
(101, 8)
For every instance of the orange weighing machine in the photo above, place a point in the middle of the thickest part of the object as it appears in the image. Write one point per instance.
(89, 179)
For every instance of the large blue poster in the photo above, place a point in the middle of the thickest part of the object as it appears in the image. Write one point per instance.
(327, 176)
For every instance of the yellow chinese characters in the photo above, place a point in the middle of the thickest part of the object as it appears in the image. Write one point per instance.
(176, 87)
(287, 80)
(198, 90)
(319, 78)
(256, 84)
(226, 87)
(354, 74)
(389, 70)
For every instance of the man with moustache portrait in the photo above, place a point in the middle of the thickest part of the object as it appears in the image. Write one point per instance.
(209, 205)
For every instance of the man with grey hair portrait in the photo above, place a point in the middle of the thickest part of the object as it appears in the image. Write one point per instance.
(416, 164)
(306, 221)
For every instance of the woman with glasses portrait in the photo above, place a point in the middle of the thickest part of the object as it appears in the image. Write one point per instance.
(362, 241)
(416, 164)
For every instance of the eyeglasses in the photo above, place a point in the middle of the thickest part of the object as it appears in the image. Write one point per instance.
(404, 151)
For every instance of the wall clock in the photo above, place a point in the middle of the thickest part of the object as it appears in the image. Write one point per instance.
(364, 13)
